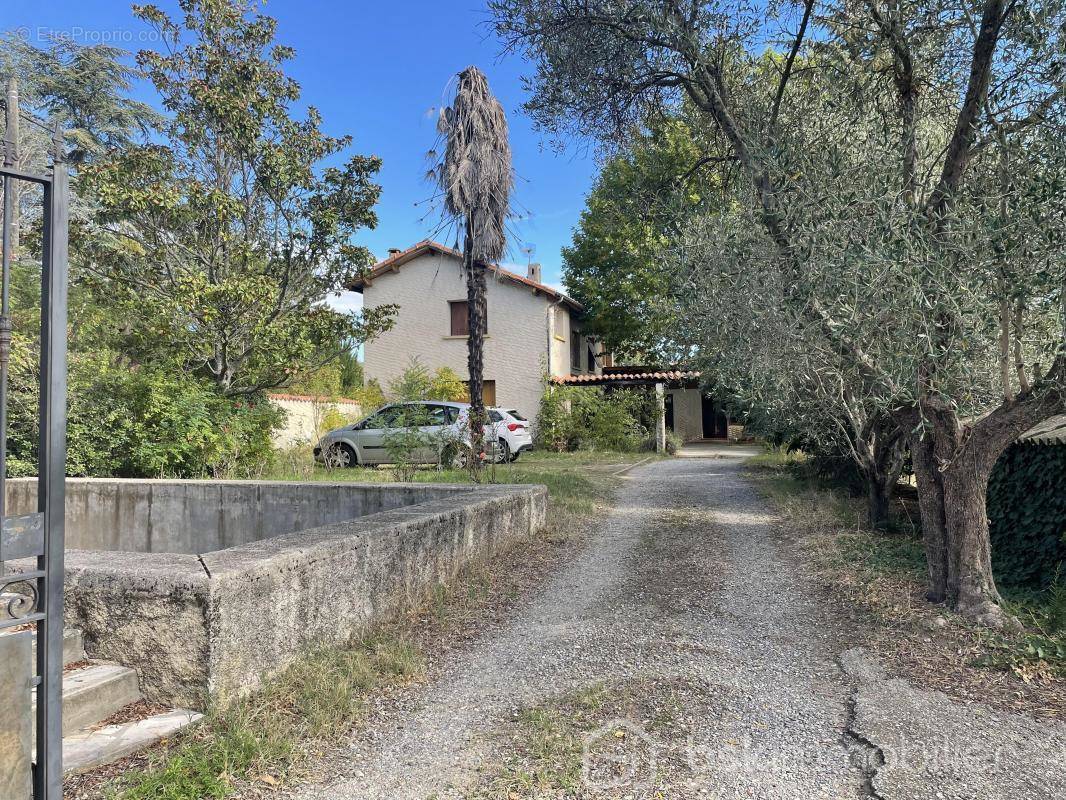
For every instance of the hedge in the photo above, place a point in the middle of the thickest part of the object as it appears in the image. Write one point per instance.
(1027, 515)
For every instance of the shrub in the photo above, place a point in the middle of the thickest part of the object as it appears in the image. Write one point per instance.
(592, 418)
(417, 383)
(370, 397)
(146, 422)
(1027, 515)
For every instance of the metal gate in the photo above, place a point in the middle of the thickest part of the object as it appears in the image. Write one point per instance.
(32, 590)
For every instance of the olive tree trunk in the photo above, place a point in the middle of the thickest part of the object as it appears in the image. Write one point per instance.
(952, 464)
(881, 449)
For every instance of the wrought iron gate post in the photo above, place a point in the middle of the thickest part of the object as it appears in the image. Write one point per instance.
(51, 480)
(34, 594)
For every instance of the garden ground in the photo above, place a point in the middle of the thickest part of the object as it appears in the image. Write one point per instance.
(687, 651)
(684, 645)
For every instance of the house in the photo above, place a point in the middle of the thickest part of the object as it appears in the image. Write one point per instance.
(533, 330)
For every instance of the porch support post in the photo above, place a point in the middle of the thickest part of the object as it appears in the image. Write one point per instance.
(660, 419)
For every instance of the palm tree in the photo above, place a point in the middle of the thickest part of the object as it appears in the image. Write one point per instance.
(476, 179)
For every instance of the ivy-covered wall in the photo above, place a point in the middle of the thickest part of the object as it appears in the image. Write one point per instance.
(1027, 515)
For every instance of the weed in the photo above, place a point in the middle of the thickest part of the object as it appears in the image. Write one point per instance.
(260, 737)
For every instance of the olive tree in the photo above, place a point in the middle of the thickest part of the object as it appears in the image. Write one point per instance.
(897, 237)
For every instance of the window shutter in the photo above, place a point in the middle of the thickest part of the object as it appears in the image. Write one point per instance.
(460, 319)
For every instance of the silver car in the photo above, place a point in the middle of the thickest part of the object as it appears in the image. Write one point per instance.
(443, 425)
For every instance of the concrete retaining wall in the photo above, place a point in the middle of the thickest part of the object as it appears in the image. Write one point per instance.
(219, 622)
(168, 516)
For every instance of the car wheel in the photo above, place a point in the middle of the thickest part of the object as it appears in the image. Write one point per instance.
(342, 456)
(503, 456)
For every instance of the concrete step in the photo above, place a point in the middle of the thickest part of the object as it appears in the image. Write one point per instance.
(91, 748)
(94, 693)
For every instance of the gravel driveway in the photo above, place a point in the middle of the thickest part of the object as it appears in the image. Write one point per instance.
(688, 605)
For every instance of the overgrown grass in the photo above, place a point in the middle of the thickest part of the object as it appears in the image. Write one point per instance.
(886, 572)
(259, 738)
(549, 745)
(575, 481)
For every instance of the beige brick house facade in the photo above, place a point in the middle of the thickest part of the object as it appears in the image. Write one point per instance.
(533, 329)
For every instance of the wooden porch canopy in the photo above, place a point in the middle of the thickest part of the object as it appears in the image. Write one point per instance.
(633, 376)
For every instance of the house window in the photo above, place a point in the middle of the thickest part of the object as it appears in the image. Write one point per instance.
(575, 350)
(460, 318)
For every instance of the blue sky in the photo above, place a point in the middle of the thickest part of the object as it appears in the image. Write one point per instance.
(376, 69)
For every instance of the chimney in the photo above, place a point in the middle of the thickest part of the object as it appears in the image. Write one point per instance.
(534, 273)
(394, 251)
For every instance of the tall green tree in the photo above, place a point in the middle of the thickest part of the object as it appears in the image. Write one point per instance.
(476, 178)
(221, 239)
(635, 212)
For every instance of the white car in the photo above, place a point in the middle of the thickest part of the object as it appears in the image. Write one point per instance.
(512, 433)
(444, 425)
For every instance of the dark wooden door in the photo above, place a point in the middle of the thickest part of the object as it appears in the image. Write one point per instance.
(715, 422)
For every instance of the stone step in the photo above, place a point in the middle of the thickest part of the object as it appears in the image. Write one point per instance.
(94, 693)
(91, 748)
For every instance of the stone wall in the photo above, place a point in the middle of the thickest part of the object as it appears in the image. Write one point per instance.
(172, 516)
(217, 623)
(305, 417)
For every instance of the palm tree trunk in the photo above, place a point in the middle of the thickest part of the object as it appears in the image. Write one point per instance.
(476, 313)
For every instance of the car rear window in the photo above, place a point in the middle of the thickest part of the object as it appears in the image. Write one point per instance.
(495, 416)
(517, 414)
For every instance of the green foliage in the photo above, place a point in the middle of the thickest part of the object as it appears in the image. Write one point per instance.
(141, 422)
(1027, 515)
(418, 383)
(447, 385)
(592, 418)
(615, 265)
(351, 372)
(220, 240)
(84, 88)
(370, 396)
(322, 382)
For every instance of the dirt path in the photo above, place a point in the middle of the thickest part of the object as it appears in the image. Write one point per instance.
(712, 666)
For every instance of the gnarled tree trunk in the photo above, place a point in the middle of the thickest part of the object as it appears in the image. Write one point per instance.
(880, 447)
(953, 463)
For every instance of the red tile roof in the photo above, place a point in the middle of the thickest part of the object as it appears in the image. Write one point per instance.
(396, 260)
(627, 377)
